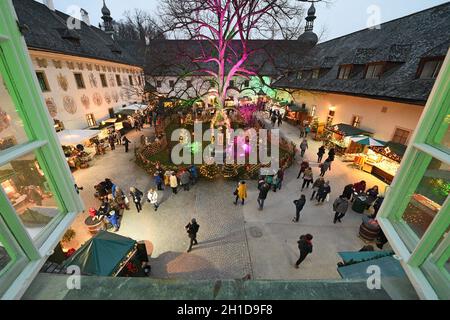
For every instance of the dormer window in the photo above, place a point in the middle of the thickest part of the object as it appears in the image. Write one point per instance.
(429, 68)
(344, 71)
(374, 70)
(300, 75)
(315, 74)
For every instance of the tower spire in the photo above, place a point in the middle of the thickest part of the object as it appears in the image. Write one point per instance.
(107, 20)
(310, 18)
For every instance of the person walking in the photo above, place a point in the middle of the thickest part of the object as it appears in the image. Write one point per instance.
(280, 119)
(158, 181)
(348, 191)
(280, 175)
(303, 147)
(136, 195)
(307, 131)
(274, 182)
(194, 174)
(340, 207)
(307, 178)
(302, 131)
(118, 137)
(152, 197)
(303, 166)
(241, 192)
(173, 181)
(324, 167)
(323, 192)
(185, 180)
(299, 204)
(377, 206)
(273, 119)
(263, 188)
(320, 153)
(316, 185)
(192, 229)
(305, 246)
(331, 155)
(126, 143)
(112, 141)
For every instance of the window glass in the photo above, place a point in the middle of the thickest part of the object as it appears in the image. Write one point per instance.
(118, 80)
(27, 189)
(401, 136)
(431, 69)
(130, 79)
(42, 81)
(12, 130)
(428, 197)
(103, 80)
(79, 80)
(4, 258)
(442, 138)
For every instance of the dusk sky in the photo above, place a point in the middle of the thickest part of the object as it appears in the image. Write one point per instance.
(339, 18)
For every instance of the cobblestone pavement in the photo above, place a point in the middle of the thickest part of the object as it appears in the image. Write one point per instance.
(234, 241)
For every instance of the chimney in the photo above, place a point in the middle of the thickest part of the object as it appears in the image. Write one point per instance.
(85, 17)
(49, 4)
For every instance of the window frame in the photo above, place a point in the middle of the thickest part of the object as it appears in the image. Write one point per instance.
(424, 61)
(130, 80)
(382, 65)
(81, 78)
(358, 122)
(90, 118)
(44, 76)
(118, 80)
(105, 82)
(403, 129)
(25, 91)
(315, 74)
(345, 70)
(421, 259)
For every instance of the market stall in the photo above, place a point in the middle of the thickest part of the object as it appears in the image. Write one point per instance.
(339, 137)
(296, 114)
(385, 161)
(77, 146)
(109, 254)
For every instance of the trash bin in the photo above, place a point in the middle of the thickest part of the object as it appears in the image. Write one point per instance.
(359, 205)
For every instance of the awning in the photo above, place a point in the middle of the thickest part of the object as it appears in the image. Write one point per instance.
(74, 137)
(348, 130)
(135, 107)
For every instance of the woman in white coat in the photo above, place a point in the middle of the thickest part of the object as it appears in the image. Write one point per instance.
(152, 197)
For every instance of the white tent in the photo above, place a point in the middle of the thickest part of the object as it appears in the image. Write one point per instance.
(74, 137)
(135, 107)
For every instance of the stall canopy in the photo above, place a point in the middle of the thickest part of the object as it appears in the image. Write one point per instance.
(135, 107)
(348, 130)
(102, 254)
(367, 141)
(74, 137)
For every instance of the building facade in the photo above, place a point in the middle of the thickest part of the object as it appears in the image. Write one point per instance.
(84, 74)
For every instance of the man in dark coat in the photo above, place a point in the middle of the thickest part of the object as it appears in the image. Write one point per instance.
(348, 191)
(192, 229)
(299, 204)
(320, 153)
(263, 191)
(126, 143)
(137, 195)
(305, 246)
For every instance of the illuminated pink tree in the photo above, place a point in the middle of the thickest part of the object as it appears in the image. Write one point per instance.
(223, 28)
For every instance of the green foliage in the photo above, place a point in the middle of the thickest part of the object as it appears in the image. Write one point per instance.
(69, 235)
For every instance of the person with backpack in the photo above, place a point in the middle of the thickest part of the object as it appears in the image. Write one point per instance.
(316, 185)
(136, 195)
(305, 246)
(340, 207)
(299, 204)
(307, 178)
(192, 229)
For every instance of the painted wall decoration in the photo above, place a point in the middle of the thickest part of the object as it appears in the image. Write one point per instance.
(107, 98)
(69, 105)
(115, 96)
(97, 67)
(70, 65)
(104, 68)
(112, 81)
(57, 64)
(109, 69)
(80, 66)
(62, 81)
(89, 66)
(97, 98)
(85, 101)
(42, 62)
(114, 69)
(51, 106)
(123, 95)
(93, 80)
(5, 120)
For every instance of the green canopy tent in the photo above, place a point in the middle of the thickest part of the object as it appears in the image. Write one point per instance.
(103, 255)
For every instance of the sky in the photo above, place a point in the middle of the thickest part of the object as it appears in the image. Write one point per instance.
(339, 18)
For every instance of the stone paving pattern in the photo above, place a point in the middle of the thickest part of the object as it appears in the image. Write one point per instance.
(234, 241)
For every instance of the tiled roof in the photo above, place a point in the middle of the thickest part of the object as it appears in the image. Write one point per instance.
(48, 31)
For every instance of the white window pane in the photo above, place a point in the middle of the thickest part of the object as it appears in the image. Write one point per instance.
(12, 130)
(28, 190)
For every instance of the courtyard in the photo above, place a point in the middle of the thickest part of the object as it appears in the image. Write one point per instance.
(234, 241)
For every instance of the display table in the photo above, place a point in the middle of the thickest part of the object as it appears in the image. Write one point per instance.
(360, 204)
(382, 174)
(94, 225)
